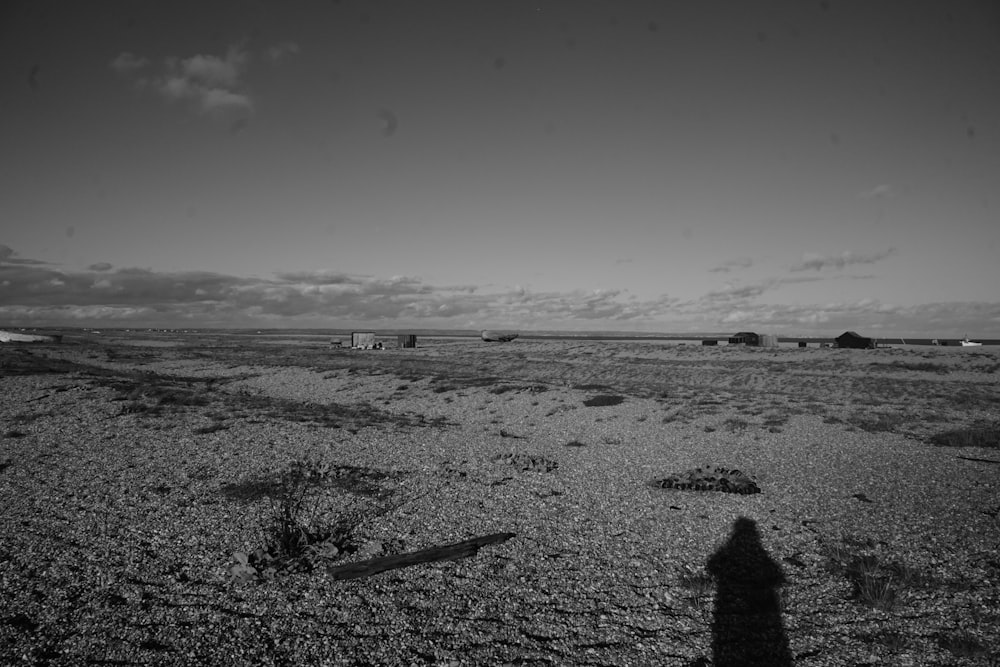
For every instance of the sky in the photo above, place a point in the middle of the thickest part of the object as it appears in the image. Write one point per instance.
(798, 168)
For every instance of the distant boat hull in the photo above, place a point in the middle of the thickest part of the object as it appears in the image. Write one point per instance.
(10, 337)
(498, 336)
(970, 343)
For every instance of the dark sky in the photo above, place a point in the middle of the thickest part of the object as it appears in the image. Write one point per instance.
(792, 167)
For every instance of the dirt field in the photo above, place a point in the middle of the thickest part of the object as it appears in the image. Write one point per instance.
(180, 499)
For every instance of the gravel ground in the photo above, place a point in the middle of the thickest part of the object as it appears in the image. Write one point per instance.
(124, 504)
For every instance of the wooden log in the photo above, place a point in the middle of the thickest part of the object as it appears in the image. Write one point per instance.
(366, 568)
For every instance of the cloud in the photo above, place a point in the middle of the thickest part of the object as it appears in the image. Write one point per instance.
(734, 293)
(34, 293)
(872, 317)
(211, 83)
(814, 262)
(390, 122)
(212, 71)
(282, 50)
(881, 191)
(9, 256)
(127, 63)
(738, 263)
(325, 296)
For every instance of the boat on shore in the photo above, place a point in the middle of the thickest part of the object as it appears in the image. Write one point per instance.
(965, 342)
(12, 337)
(498, 336)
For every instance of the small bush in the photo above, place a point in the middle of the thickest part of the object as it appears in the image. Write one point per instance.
(602, 400)
(295, 538)
(699, 584)
(874, 584)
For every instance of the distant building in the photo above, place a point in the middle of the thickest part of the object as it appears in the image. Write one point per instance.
(768, 340)
(744, 338)
(363, 340)
(406, 340)
(854, 340)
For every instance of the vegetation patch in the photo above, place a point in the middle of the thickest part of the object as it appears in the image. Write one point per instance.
(736, 424)
(299, 533)
(153, 394)
(602, 400)
(23, 362)
(710, 478)
(977, 436)
(874, 583)
(920, 366)
(214, 427)
(526, 462)
(963, 645)
(699, 585)
(881, 423)
(352, 479)
(328, 415)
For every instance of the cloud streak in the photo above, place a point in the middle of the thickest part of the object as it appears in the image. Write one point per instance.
(732, 265)
(814, 262)
(8, 256)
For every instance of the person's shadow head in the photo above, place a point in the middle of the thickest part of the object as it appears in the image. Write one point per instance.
(746, 624)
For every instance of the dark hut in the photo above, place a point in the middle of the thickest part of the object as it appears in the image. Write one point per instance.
(744, 338)
(854, 340)
(498, 336)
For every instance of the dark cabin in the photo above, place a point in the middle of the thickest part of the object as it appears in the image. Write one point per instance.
(854, 340)
(745, 338)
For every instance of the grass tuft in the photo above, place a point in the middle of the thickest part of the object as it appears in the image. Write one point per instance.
(875, 584)
(963, 645)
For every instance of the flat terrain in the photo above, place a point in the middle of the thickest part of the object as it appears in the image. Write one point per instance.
(178, 499)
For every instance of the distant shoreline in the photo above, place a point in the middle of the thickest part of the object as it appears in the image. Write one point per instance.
(468, 333)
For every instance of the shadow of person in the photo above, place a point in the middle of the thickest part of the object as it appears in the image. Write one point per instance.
(746, 623)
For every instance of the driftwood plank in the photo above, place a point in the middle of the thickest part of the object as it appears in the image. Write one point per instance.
(366, 568)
